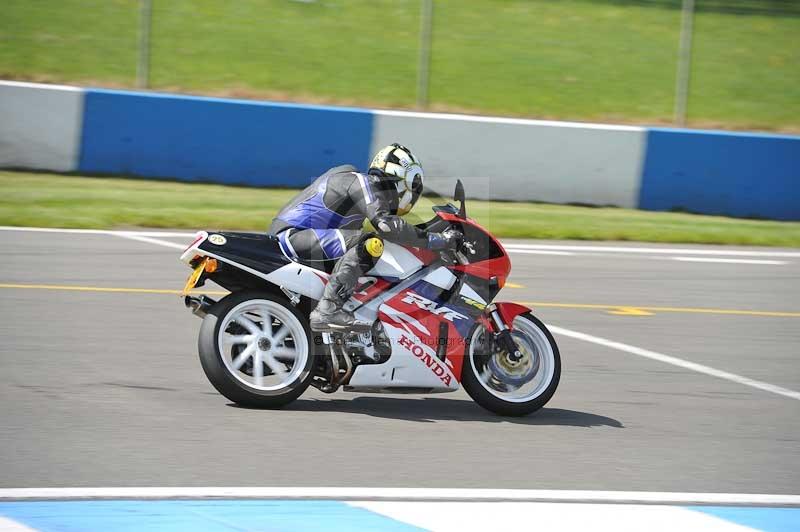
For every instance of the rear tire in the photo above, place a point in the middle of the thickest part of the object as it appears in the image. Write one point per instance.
(486, 389)
(224, 343)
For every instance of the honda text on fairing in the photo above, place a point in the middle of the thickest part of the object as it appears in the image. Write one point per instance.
(434, 325)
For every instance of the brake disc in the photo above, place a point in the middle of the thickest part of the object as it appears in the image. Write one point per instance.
(517, 373)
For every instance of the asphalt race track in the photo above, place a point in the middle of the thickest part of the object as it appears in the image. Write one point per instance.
(102, 387)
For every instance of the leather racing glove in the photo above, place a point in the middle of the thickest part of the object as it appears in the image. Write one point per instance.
(448, 239)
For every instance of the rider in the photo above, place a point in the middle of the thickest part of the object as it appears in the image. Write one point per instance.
(324, 222)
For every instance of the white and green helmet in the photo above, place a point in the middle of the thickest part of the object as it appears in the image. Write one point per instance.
(397, 163)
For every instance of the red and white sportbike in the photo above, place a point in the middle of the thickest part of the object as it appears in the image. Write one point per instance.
(435, 326)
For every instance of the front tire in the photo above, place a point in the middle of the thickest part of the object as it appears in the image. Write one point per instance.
(513, 390)
(257, 349)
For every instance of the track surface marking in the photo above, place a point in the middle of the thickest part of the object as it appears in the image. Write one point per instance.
(106, 389)
(623, 310)
(667, 359)
(403, 494)
(731, 261)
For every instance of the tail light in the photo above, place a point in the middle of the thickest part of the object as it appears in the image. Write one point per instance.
(197, 239)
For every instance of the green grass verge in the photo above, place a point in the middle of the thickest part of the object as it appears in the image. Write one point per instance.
(69, 201)
(606, 60)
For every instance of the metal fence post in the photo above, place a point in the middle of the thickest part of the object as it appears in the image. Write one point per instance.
(424, 64)
(143, 66)
(684, 62)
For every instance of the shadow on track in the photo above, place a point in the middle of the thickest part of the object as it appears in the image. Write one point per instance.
(430, 410)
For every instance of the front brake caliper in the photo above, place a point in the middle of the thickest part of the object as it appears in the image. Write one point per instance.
(504, 339)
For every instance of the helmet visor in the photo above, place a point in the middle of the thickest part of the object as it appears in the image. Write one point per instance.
(409, 193)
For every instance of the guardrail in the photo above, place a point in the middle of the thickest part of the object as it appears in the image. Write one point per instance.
(255, 143)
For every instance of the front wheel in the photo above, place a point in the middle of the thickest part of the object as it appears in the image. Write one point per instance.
(256, 349)
(512, 388)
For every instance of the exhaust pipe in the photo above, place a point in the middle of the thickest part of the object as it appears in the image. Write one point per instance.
(199, 305)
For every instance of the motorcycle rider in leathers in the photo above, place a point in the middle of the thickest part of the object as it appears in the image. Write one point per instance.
(324, 223)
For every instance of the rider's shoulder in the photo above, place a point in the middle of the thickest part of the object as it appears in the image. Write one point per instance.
(342, 169)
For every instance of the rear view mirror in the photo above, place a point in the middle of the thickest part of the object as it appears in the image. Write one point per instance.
(460, 197)
(459, 193)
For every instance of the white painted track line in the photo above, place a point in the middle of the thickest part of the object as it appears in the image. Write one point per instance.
(539, 251)
(141, 236)
(667, 359)
(404, 494)
(138, 237)
(53, 230)
(653, 251)
(7, 525)
(461, 516)
(510, 246)
(729, 261)
(164, 234)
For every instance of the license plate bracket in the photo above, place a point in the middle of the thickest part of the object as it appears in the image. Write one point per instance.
(191, 282)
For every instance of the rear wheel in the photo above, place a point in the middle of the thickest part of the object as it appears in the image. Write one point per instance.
(512, 388)
(256, 349)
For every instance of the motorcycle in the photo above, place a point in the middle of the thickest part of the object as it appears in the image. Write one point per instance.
(435, 326)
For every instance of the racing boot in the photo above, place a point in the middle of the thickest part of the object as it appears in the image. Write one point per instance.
(330, 316)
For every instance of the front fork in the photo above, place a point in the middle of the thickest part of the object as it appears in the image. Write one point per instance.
(502, 334)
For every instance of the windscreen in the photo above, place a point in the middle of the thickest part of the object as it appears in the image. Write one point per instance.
(440, 191)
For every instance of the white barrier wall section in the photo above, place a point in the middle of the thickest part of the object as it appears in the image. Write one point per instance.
(40, 126)
(521, 160)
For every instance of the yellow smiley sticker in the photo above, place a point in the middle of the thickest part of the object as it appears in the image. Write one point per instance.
(374, 247)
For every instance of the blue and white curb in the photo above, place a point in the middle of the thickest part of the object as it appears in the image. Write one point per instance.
(388, 509)
(196, 515)
(229, 141)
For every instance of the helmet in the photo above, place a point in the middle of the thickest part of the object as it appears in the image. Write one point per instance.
(398, 164)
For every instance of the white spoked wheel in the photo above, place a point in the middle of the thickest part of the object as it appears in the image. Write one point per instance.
(256, 349)
(263, 344)
(510, 387)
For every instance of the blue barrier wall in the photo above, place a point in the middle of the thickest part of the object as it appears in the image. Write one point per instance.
(271, 144)
(211, 139)
(713, 172)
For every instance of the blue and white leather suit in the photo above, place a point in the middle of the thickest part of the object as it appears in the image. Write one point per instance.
(325, 220)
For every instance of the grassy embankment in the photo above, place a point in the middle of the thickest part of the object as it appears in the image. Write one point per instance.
(69, 201)
(597, 60)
